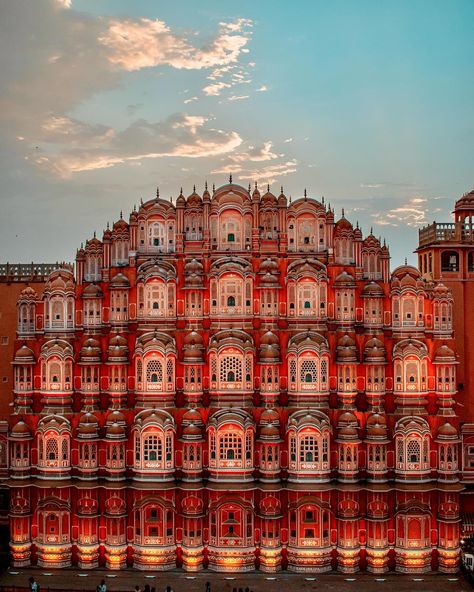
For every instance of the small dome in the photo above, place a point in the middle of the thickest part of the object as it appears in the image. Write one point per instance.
(269, 432)
(372, 289)
(116, 417)
(268, 265)
(270, 416)
(344, 280)
(347, 418)
(120, 225)
(192, 431)
(346, 350)
(92, 291)
(376, 419)
(192, 416)
(28, 294)
(20, 430)
(444, 355)
(115, 432)
(374, 351)
(119, 281)
(193, 266)
(447, 431)
(377, 432)
(91, 351)
(193, 347)
(24, 356)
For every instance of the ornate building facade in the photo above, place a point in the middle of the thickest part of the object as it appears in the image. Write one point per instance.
(235, 382)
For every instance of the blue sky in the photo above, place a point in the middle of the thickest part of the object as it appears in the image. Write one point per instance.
(367, 103)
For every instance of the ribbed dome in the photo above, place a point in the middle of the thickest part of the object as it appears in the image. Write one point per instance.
(116, 417)
(270, 416)
(193, 347)
(91, 351)
(346, 350)
(344, 280)
(192, 416)
(372, 289)
(447, 431)
(374, 351)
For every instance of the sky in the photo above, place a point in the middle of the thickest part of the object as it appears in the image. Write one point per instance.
(369, 104)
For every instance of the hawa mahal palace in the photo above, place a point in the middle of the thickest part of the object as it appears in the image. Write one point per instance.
(237, 381)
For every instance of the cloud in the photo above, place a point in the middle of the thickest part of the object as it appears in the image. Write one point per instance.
(95, 147)
(214, 90)
(255, 153)
(410, 213)
(190, 100)
(288, 140)
(267, 174)
(262, 88)
(238, 97)
(145, 43)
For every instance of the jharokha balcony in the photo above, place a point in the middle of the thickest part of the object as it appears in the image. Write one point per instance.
(452, 232)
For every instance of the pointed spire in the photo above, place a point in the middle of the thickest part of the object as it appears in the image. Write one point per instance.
(250, 188)
(371, 230)
(357, 223)
(141, 201)
(194, 188)
(256, 185)
(171, 198)
(205, 185)
(213, 188)
(108, 226)
(157, 193)
(290, 198)
(230, 179)
(121, 214)
(305, 194)
(95, 234)
(406, 261)
(343, 212)
(281, 190)
(134, 207)
(268, 187)
(322, 200)
(181, 191)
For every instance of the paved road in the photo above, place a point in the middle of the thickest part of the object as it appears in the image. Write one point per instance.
(125, 581)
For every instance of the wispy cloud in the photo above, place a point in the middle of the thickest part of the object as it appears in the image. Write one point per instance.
(256, 153)
(410, 213)
(145, 43)
(97, 148)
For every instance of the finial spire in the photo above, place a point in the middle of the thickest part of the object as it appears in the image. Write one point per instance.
(343, 212)
(181, 191)
(281, 190)
(268, 187)
(250, 188)
(230, 179)
(322, 200)
(121, 214)
(95, 234)
(108, 226)
(213, 188)
(305, 194)
(205, 185)
(194, 188)
(141, 201)
(255, 184)
(157, 193)
(371, 230)
(406, 261)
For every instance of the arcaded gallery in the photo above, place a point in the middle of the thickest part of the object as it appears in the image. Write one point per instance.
(237, 381)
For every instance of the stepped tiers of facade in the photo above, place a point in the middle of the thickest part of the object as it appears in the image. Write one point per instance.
(235, 382)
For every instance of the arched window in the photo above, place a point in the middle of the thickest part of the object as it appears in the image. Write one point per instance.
(449, 261)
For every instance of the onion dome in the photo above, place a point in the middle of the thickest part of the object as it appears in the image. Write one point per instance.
(88, 428)
(194, 200)
(344, 280)
(180, 200)
(346, 350)
(444, 355)
(270, 348)
(92, 291)
(282, 201)
(374, 351)
(377, 428)
(447, 432)
(193, 266)
(28, 294)
(343, 224)
(347, 428)
(268, 198)
(24, 356)
(20, 431)
(118, 349)
(116, 417)
(120, 224)
(193, 348)
(115, 431)
(256, 193)
(193, 274)
(206, 196)
(90, 351)
(119, 281)
(372, 290)
(357, 232)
